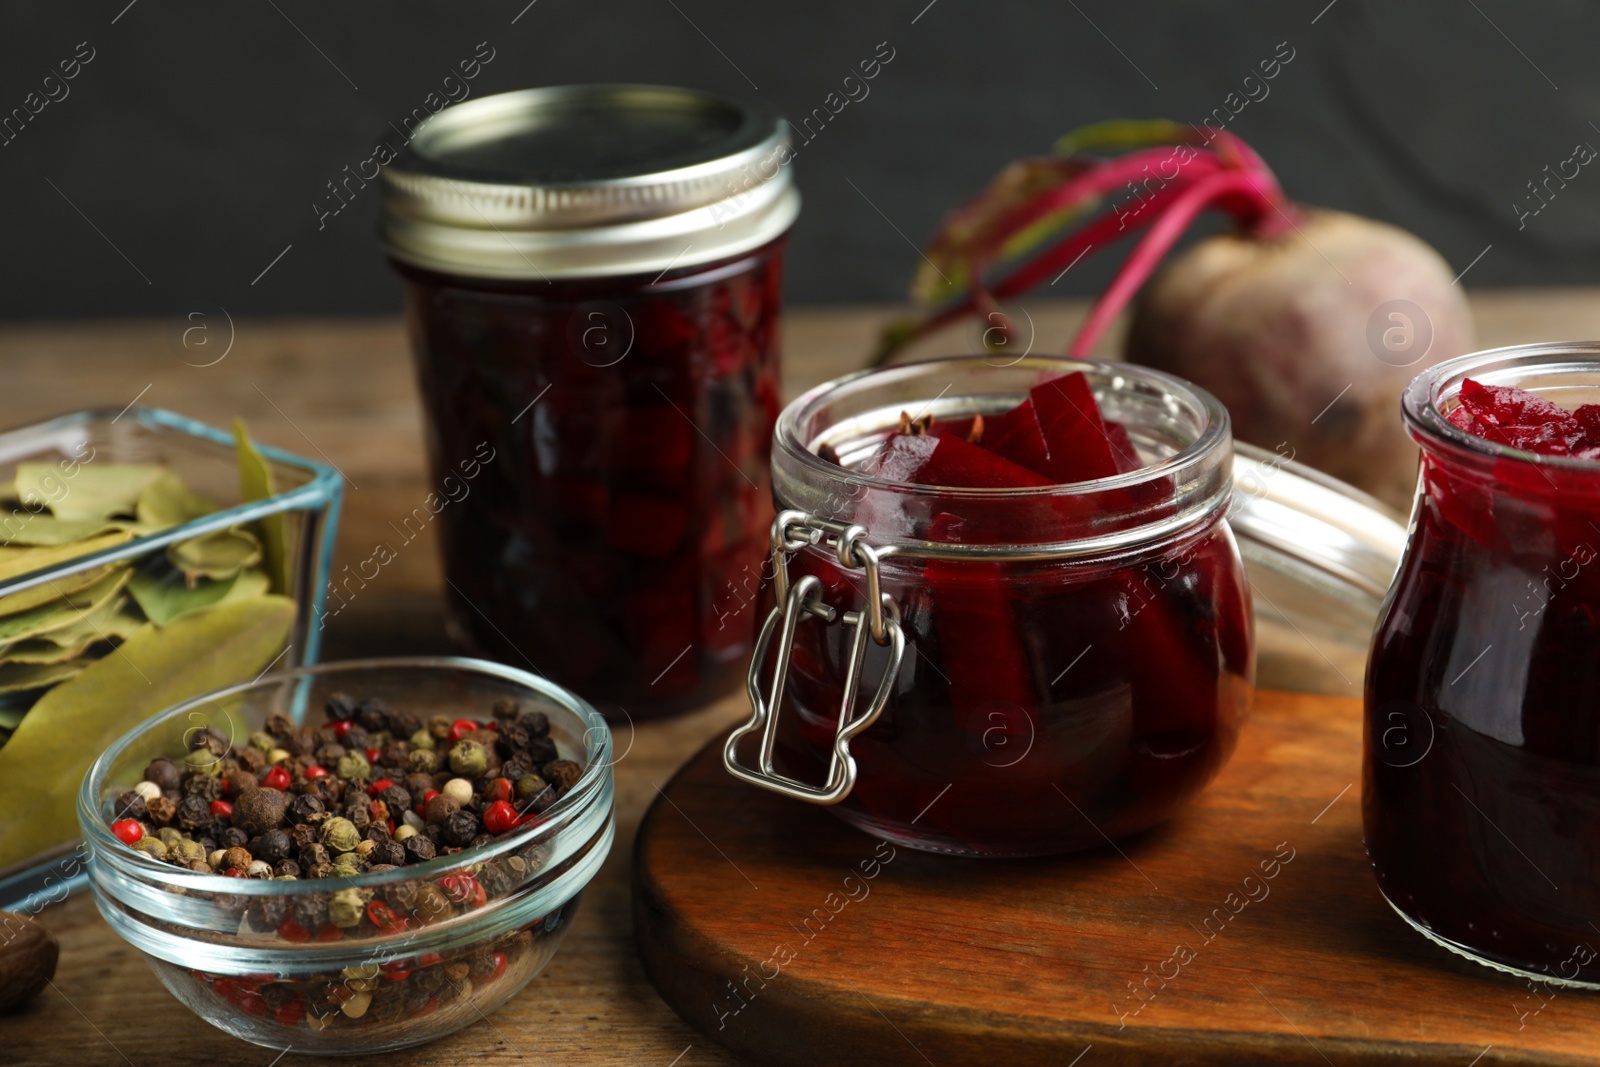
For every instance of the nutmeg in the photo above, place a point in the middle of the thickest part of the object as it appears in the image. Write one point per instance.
(28, 957)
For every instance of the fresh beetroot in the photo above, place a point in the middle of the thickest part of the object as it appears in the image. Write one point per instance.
(1305, 323)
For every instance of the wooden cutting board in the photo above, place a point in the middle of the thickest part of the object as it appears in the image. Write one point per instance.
(751, 926)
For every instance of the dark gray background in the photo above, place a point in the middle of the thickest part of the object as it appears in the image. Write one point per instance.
(201, 135)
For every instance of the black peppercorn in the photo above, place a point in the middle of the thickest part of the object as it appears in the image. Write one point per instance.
(562, 773)
(232, 837)
(314, 855)
(194, 813)
(304, 806)
(330, 754)
(418, 848)
(403, 723)
(271, 846)
(161, 810)
(130, 805)
(398, 800)
(286, 869)
(495, 881)
(253, 760)
(388, 852)
(279, 725)
(537, 722)
(164, 773)
(357, 740)
(373, 715)
(204, 786)
(340, 707)
(514, 737)
(460, 828)
(542, 750)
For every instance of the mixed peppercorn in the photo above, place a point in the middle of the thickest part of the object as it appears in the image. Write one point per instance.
(372, 789)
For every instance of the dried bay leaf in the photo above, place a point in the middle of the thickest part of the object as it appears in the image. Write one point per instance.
(166, 596)
(17, 561)
(167, 502)
(255, 483)
(27, 528)
(217, 556)
(97, 491)
(19, 677)
(62, 613)
(66, 593)
(44, 762)
(117, 618)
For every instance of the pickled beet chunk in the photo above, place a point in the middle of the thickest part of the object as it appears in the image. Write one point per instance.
(944, 459)
(1079, 447)
(1015, 435)
(1519, 418)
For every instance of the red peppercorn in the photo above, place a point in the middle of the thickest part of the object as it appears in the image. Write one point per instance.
(464, 890)
(395, 976)
(222, 809)
(277, 778)
(329, 932)
(128, 831)
(234, 872)
(499, 789)
(290, 930)
(428, 795)
(373, 756)
(290, 1014)
(461, 728)
(499, 817)
(383, 917)
(499, 966)
(254, 1004)
(341, 727)
(429, 959)
(530, 820)
(315, 771)
(379, 786)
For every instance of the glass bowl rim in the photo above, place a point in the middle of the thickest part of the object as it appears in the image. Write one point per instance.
(1215, 433)
(1419, 404)
(598, 767)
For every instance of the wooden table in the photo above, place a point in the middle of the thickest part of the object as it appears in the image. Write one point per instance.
(343, 389)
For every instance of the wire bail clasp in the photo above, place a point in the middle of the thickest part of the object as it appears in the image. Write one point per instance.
(798, 603)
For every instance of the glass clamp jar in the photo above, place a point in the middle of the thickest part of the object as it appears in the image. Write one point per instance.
(1025, 718)
(592, 286)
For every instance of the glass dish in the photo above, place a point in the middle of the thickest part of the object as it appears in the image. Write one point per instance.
(222, 946)
(40, 859)
(1482, 771)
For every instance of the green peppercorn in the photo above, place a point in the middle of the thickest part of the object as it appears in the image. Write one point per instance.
(422, 761)
(469, 759)
(530, 786)
(189, 852)
(345, 870)
(432, 905)
(201, 761)
(169, 836)
(340, 835)
(345, 908)
(262, 741)
(422, 740)
(152, 847)
(353, 765)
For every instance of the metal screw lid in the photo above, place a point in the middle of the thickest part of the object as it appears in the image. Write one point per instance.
(588, 180)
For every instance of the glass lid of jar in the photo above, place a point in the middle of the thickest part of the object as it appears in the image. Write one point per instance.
(1319, 555)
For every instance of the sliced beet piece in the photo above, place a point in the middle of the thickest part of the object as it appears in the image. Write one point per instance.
(1080, 448)
(1015, 435)
(944, 459)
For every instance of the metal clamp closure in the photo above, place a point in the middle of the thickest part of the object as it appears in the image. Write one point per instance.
(880, 619)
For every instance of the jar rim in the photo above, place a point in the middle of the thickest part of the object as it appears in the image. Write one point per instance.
(1217, 430)
(1422, 403)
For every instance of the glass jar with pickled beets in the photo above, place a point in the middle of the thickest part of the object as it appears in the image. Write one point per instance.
(1482, 769)
(1007, 617)
(592, 280)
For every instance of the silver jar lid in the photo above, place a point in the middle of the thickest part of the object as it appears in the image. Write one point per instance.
(579, 181)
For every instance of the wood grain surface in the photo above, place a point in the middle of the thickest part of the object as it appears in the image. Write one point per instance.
(343, 390)
(1246, 931)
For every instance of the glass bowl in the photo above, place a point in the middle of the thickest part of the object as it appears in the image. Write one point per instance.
(235, 950)
(126, 587)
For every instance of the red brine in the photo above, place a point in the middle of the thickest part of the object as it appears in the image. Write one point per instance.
(614, 540)
(1043, 705)
(1482, 775)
